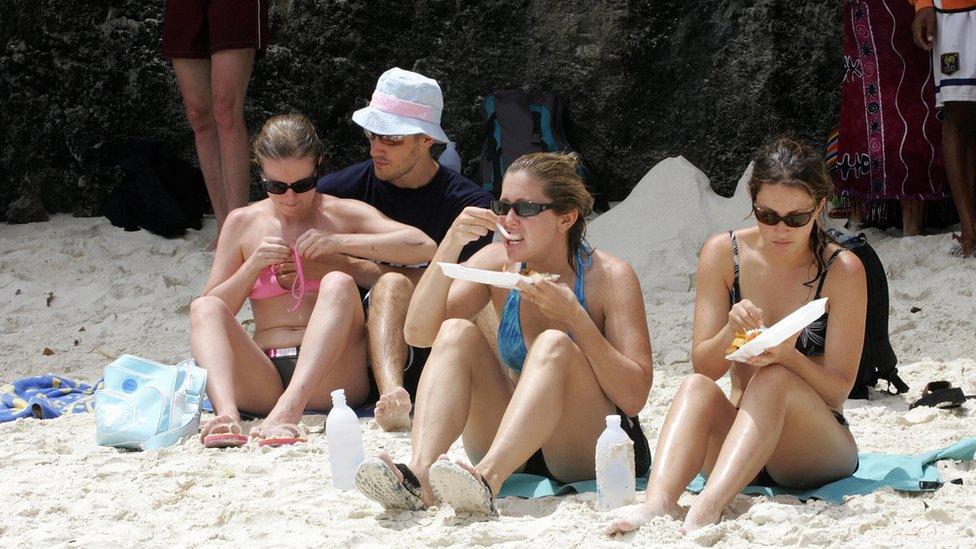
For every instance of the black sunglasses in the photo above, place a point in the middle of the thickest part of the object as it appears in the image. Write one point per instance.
(300, 186)
(522, 209)
(796, 220)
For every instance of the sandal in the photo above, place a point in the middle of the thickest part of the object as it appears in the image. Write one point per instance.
(377, 481)
(295, 434)
(941, 394)
(456, 486)
(230, 435)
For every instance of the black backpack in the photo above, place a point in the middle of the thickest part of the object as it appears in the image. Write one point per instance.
(159, 192)
(878, 360)
(519, 123)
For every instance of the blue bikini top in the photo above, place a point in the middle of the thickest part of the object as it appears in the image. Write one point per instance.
(511, 342)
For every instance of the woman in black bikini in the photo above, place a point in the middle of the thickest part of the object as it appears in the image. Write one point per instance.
(783, 422)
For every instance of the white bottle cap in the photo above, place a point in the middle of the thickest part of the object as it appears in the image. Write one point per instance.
(338, 397)
(614, 421)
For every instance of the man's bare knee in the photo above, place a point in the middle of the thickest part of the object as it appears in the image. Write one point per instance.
(392, 285)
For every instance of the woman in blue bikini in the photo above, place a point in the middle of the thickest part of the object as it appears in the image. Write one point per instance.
(572, 351)
(783, 422)
(309, 334)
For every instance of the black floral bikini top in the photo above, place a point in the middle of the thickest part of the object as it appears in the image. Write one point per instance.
(813, 338)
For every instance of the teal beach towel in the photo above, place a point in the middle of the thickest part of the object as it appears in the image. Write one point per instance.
(875, 471)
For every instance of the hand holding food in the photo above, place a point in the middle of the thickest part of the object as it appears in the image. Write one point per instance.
(741, 338)
(556, 301)
(745, 316)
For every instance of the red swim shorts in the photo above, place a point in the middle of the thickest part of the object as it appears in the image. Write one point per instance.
(195, 29)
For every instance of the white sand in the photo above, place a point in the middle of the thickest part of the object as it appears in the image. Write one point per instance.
(118, 292)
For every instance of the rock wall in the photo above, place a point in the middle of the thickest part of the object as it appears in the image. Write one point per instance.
(643, 80)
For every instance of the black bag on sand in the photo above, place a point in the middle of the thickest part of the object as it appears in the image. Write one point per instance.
(878, 360)
(159, 192)
(519, 123)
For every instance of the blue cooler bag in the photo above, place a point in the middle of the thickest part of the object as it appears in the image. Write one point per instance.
(146, 405)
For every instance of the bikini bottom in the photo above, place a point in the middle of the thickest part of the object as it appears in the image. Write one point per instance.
(536, 465)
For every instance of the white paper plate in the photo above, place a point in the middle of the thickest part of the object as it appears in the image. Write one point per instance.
(493, 278)
(781, 331)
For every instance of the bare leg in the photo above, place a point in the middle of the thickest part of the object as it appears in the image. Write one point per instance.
(912, 213)
(812, 450)
(193, 76)
(856, 217)
(230, 73)
(388, 302)
(558, 405)
(692, 435)
(959, 149)
(333, 354)
(238, 372)
(462, 388)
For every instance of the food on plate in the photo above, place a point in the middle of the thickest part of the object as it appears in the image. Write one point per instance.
(537, 276)
(741, 338)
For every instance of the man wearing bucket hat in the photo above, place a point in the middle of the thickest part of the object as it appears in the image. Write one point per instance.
(401, 180)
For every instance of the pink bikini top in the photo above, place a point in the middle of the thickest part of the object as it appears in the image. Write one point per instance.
(266, 286)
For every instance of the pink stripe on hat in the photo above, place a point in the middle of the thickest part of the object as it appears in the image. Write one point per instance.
(402, 107)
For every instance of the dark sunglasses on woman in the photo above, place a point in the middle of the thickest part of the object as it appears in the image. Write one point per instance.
(300, 186)
(522, 209)
(796, 220)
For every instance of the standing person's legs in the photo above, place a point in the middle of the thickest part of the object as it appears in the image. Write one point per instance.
(912, 213)
(389, 299)
(230, 73)
(193, 76)
(959, 150)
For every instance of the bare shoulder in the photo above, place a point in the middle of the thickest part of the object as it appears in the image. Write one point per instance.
(846, 264)
(717, 245)
(346, 206)
(612, 268)
(241, 221)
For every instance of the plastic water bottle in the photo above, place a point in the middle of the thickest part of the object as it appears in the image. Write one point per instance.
(345, 439)
(450, 158)
(615, 481)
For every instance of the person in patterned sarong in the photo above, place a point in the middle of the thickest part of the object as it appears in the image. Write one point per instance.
(889, 143)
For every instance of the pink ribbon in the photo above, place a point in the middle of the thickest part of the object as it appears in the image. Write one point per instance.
(298, 287)
(402, 107)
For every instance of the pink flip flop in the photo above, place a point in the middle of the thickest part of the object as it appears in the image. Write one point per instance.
(296, 431)
(231, 437)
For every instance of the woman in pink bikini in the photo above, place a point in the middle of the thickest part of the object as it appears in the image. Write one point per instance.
(280, 372)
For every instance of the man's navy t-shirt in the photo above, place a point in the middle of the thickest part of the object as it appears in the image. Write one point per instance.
(431, 208)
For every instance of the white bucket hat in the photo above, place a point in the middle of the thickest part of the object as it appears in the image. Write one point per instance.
(404, 103)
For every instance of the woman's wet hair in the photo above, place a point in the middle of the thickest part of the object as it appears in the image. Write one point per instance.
(559, 175)
(287, 136)
(787, 161)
